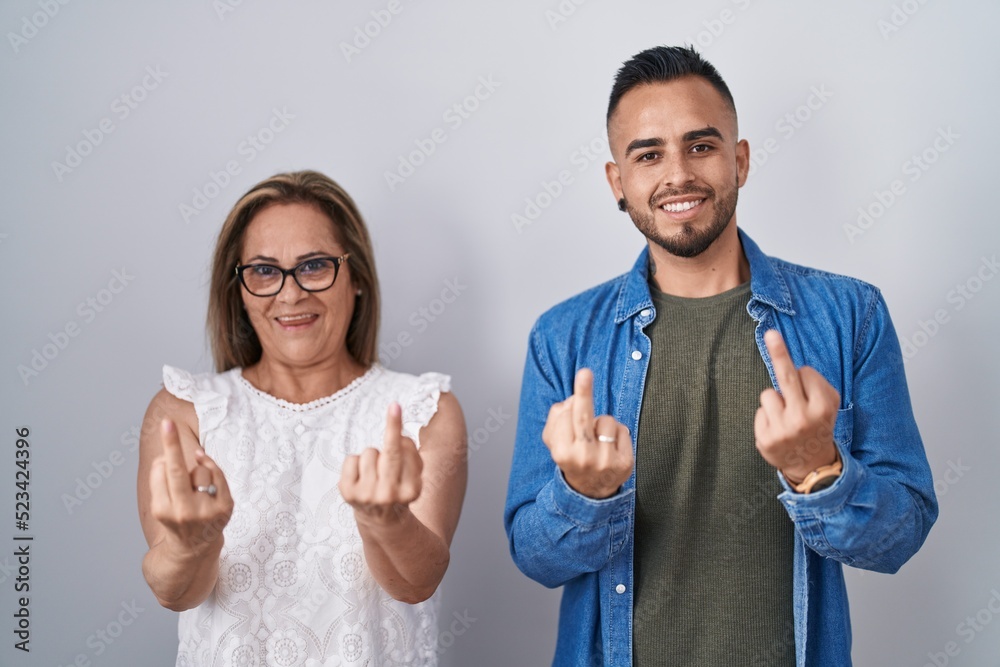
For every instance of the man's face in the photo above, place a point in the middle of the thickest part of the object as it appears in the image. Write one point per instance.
(678, 164)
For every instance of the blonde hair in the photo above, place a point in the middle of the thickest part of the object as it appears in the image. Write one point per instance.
(233, 339)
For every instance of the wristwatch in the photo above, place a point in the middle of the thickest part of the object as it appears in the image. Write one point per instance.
(820, 478)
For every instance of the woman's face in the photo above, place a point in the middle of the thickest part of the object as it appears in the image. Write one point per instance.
(296, 327)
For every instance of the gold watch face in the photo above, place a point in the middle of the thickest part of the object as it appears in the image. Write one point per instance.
(824, 483)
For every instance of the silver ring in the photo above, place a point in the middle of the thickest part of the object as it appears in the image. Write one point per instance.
(210, 489)
(607, 438)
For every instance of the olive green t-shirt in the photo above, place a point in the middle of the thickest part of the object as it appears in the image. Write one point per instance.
(713, 545)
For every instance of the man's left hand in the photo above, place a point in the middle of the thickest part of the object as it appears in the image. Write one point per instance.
(794, 429)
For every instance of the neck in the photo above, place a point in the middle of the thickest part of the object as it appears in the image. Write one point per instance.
(721, 267)
(302, 383)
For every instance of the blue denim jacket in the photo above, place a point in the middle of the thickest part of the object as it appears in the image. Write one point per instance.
(875, 516)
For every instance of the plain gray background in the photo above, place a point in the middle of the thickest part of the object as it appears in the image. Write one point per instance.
(885, 81)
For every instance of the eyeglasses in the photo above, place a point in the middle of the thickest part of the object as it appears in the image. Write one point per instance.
(312, 275)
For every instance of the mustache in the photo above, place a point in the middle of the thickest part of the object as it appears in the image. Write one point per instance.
(657, 199)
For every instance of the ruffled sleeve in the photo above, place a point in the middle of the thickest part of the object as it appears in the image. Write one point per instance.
(422, 403)
(209, 403)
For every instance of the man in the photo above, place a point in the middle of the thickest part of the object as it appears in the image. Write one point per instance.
(756, 430)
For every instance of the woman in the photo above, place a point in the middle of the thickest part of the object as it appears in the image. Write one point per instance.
(275, 523)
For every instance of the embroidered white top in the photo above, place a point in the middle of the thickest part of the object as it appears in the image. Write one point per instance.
(293, 588)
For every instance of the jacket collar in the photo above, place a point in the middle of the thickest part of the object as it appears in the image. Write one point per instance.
(766, 284)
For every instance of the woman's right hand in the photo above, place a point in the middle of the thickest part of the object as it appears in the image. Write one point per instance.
(192, 520)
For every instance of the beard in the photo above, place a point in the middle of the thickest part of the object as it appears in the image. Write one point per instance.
(689, 241)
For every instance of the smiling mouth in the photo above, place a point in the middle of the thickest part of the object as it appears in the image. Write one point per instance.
(291, 321)
(681, 206)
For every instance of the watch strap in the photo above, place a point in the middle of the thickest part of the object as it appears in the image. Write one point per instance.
(827, 473)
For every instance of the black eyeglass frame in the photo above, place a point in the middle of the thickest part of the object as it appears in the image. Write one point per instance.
(337, 261)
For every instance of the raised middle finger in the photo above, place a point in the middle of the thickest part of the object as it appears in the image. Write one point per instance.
(583, 405)
(178, 479)
(784, 368)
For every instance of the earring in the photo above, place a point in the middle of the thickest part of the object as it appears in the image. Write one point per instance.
(622, 206)
(358, 293)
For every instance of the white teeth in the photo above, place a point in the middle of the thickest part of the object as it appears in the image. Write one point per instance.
(681, 206)
(293, 318)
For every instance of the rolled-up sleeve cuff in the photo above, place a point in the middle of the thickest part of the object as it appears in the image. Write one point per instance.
(825, 502)
(584, 511)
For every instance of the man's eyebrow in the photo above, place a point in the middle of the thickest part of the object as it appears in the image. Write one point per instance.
(656, 142)
(636, 144)
(695, 135)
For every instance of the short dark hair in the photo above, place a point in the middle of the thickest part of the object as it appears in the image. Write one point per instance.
(661, 64)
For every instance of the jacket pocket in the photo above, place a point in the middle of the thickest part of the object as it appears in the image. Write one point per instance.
(843, 429)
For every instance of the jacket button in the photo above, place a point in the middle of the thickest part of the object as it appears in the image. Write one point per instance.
(620, 588)
(637, 355)
(646, 312)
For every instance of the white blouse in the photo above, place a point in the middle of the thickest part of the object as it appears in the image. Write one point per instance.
(294, 589)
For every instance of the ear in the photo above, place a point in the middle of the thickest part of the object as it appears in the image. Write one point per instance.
(742, 162)
(614, 179)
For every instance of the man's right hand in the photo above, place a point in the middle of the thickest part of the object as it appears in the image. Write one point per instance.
(594, 454)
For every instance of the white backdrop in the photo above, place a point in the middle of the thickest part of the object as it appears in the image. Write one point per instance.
(130, 129)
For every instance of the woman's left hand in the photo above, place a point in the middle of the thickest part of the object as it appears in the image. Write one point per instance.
(380, 485)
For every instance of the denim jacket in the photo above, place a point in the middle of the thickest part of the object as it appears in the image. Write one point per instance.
(875, 516)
